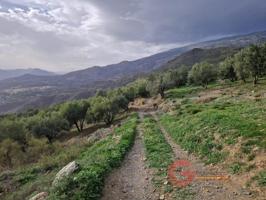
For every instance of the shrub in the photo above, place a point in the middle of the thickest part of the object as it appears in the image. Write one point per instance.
(10, 154)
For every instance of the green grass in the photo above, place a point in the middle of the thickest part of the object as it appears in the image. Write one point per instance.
(194, 136)
(236, 168)
(158, 151)
(159, 156)
(30, 179)
(261, 178)
(195, 126)
(182, 92)
(95, 163)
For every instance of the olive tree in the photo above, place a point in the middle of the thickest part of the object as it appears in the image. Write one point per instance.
(50, 127)
(254, 61)
(202, 74)
(15, 130)
(103, 109)
(226, 70)
(240, 66)
(179, 76)
(157, 84)
(75, 113)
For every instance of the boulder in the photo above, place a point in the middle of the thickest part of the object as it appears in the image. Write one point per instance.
(40, 196)
(65, 171)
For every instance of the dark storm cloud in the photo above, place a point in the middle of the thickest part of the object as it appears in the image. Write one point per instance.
(59, 34)
(186, 20)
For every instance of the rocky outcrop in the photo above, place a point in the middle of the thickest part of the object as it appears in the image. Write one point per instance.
(99, 134)
(40, 196)
(65, 172)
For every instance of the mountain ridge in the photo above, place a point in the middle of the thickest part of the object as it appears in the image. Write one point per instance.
(83, 83)
(13, 73)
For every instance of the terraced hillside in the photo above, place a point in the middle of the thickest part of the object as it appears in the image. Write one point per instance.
(219, 132)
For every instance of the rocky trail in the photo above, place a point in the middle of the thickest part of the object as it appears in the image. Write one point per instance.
(133, 180)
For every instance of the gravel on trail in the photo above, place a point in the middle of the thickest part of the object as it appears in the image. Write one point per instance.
(132, 180)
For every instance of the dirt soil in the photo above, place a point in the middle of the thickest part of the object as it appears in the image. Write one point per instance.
(132, 180)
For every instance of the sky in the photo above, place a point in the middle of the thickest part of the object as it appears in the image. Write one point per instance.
(66, 35)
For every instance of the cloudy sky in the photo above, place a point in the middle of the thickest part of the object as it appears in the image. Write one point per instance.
(64, 35)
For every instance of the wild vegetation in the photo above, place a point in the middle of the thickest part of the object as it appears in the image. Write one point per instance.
(32, 145)
(95, 163)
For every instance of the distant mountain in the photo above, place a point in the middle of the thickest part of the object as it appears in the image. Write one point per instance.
(6, 74)
(31, 90)
(189, 58)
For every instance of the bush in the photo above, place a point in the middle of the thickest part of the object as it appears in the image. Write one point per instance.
(10, 154)
(14, 130)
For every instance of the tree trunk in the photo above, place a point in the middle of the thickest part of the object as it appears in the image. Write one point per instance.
(8, 160)
(77, 127)
(49, 139)
(81, 125)
(162, 94)
(255, 81)
(109, 118)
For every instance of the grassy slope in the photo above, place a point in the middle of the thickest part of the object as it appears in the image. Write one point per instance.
(95, 163)
(236, 118)
(24, 181)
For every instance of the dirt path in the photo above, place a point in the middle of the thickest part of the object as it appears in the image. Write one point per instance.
(206, 189)
(132, 181)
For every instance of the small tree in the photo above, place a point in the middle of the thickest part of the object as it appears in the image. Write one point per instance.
(202, 74)
(104, 109)
(141, 88)
(240, 66)
(121, 101)
(254, 60)
(226, 70)
(75, 113)
(50, 127)
(129, 93)
(162, 85)
(157, 84)
(179, 77)
(10, 153)
(14, 130)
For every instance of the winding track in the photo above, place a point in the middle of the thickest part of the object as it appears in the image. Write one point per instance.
(132, 181)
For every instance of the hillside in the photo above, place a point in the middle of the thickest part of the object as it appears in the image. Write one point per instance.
(197, 134)
(189, 58)
(31, 91)
(219, 132)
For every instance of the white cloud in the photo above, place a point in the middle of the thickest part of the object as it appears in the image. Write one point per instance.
(63, 35)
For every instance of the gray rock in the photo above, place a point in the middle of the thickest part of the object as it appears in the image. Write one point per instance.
(40, 196)
(65, 171)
